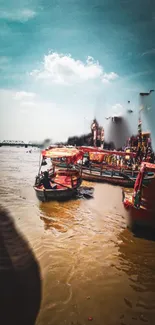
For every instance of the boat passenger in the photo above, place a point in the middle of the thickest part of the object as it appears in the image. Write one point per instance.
(87, 162)
(46, 181)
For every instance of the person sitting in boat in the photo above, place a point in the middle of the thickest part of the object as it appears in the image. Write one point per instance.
(46, 181)
(87, 162)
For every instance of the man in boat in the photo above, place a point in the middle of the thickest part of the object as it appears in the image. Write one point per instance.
(87, 162)
(45, 181)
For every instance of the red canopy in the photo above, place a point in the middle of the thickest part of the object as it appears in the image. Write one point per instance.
(107, 152)
(72, 155)
(148, 166)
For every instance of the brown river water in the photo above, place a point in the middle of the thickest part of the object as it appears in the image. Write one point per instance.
(93, 268)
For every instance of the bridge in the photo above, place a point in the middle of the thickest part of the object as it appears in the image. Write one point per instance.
(17, 143)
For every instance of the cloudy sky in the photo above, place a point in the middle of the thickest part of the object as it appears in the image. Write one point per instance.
(64, 61)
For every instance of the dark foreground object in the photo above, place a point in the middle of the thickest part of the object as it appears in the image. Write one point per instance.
(20, 283)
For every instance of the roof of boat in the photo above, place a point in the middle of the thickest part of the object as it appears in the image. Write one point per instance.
(97, 150)
(148, 166)
(62, 153)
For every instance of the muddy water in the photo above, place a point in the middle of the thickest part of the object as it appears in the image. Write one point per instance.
(92, 267)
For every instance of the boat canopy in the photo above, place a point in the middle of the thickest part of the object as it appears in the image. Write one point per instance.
(72, 155)
(148, 166)
(97, 150)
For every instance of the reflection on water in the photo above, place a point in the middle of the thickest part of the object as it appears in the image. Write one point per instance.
(59, 216)
(91, 265)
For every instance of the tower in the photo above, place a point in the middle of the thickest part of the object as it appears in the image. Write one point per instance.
(94, 129)
(97, 134)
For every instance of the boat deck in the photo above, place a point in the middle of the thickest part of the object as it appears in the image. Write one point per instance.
(61, 182)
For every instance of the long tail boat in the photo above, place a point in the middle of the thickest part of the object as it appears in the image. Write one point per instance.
(109, 175)
(140, 203)
(60, 184)
(113, 177)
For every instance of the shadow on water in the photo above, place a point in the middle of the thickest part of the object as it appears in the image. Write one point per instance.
(145, 233)
(20, 282)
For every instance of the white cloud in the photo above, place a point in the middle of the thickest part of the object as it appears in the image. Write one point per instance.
(18, 98)
(24, 112)
(152, 51)
(30, 104)
(21, 15)
(63, 69)
(27, 100)
(24, 95)
(105, 81)
(117, 109)
(107, 77)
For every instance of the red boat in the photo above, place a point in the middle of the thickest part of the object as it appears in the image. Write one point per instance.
(106, 152)
(56, 184)
(140, 204)
(98, 156)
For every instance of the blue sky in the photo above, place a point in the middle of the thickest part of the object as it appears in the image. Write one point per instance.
(62, 62)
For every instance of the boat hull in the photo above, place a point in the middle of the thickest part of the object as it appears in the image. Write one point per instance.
(138, 218)
(44, 195)
(114, 180)
(128, 172)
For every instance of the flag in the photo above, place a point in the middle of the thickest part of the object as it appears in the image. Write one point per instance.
(139, 126)
(144, 94)
(147, 94)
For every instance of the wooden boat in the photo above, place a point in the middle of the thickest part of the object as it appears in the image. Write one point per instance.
(140, 204)
(117, 170)
(64, 182)
(99, 172)
(103, 152)
(99, 158)
(97, 167)
(64, 190)
(113, 177)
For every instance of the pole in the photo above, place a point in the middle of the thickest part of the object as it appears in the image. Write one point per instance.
(40, 163)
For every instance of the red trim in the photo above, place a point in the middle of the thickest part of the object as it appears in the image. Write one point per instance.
(106, 152)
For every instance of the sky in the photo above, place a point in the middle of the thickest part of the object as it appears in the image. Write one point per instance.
(63, 62)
